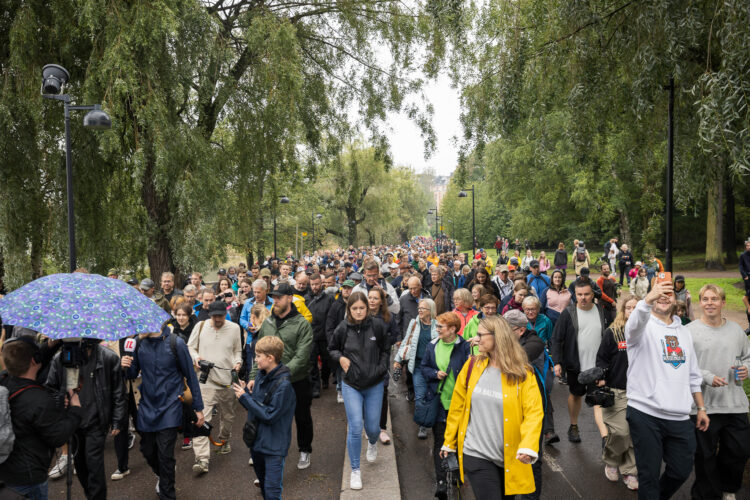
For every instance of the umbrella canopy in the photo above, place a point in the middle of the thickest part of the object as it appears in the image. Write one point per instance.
(82, 305)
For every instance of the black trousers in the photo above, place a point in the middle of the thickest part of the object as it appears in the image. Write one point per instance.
(89, 462)
(158, 450)
(302, 414)
(487, 479)
(320, 348)
(121, 440)
(655, 439)
(384, 409)
(536, 470)
(624, 274)
(721, 471)
(438, 432)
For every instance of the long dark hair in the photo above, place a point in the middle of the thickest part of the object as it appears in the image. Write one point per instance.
(384, 312)
(552, 280)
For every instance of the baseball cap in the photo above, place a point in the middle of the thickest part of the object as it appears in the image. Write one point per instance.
(147, 284)
(349, 283)
(585, 271)
(282, 289)
(534, 263)
(217, 308)
(222, 271)
(265, 272)
(503, 268)
(393, 265)
(680, 278)
(515, 318)
(112, 272)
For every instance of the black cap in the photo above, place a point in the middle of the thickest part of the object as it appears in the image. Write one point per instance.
(222, 271)
(534, 263)
(282, 289)
(680, 278)
(217, 308)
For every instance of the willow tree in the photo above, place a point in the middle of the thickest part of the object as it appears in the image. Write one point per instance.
(215, 106)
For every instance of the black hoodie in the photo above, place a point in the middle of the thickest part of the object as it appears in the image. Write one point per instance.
(366, 346)
(39, 426)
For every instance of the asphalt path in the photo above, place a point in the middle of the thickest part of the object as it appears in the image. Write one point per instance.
(230, 477)
(570, 470)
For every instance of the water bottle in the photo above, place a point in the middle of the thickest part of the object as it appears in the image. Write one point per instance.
(737, 366)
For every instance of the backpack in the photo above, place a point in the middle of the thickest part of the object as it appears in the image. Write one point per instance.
(581, 254)
(7, 437)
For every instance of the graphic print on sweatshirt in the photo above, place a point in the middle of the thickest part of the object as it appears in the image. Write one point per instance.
(672, 353)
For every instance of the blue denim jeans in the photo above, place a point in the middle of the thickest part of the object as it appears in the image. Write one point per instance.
(270, 472)
(33, 491)
(362, 408)
(420, 383)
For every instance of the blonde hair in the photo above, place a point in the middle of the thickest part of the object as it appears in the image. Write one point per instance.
(507, 353)
(260, 312)
(618, 324)
(464, 296)
(271, 346)
(713, 288)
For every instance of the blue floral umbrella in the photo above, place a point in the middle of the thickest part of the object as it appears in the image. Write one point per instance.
(82, 305)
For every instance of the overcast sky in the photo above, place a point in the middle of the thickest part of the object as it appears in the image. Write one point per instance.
(407, 145)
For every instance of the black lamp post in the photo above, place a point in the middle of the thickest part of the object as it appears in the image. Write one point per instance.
(463, 194)
(670, 175)
(437, 226)
(54, 78)
(284, 200)
(315, 216)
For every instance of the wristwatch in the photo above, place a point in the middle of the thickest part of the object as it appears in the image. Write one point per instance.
(701, 408)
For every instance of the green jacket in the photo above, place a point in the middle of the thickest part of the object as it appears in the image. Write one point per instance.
(470, 331)
(296, 333)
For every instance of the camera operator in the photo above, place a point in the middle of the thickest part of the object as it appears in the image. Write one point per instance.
(102, 394)
(39, 424)
(216, 347)
(162, 363)
(617, 450)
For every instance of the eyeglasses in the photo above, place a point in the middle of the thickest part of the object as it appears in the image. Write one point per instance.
(423, 309)
(480, 335)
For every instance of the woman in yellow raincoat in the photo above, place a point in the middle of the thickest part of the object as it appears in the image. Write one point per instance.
(495, 417)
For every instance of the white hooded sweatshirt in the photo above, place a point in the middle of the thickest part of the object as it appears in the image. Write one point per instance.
(663, 369)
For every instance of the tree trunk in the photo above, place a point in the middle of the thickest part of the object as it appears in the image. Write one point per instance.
(625, 233)
(159, 253)
(714, 223)
(730, 241)
(249, 260)
(36, 254)
(351, 220)
(2, 272)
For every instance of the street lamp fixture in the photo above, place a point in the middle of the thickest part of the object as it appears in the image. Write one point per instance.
(463, 194)
(54, 79)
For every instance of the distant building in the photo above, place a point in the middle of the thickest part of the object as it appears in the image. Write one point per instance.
(438, 188)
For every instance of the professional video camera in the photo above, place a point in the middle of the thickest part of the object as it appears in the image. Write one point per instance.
(205, 367)
(73, 354)
(601, 396)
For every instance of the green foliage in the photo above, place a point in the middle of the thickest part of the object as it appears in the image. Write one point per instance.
(217, 109)
(566, 111)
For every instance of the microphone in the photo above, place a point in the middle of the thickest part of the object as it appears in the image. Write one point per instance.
(129, 346)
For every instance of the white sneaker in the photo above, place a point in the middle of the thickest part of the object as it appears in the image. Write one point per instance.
(118, 474)
(372, 451)
(157, 485)
(727, 496)
(355, 481)
(250, 462)
(611, 473)
(304, 460)
(200, 467)
(60, 468)
(632, 483)
(339, 397)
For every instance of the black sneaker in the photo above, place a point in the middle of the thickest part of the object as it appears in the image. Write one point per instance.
(441, 491)
(551, 438)
(410, 396)
(325, 384)
(573, 435)
(316, 393)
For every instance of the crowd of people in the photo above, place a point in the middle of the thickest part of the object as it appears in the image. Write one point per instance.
(480, 344)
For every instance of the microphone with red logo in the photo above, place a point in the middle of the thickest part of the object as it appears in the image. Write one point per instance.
(128, 350)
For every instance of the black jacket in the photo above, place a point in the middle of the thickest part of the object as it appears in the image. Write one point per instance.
(335, 316)
(366, 346)
(40, 426)
(109, 387)
(564, 349)
(613, 358)
(745, 264)
(319, 306)
(625, 259)
(561, 258)
(183, 333)
(534, 347)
